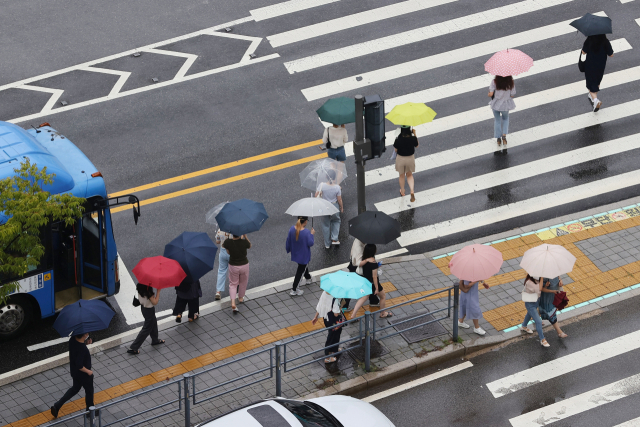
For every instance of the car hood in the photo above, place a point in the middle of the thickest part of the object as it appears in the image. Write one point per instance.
(353, 412)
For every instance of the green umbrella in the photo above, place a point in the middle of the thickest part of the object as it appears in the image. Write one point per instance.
(338, 111)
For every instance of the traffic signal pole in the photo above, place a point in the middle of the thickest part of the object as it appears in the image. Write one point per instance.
(360, 162)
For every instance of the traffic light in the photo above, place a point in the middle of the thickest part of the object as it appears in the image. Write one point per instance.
(374, 124)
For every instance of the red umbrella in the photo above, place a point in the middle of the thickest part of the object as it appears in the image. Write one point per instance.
(159, 272)
(508, 62)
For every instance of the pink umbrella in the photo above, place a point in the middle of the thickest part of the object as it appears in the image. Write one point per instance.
(508, 62)
(476, 262)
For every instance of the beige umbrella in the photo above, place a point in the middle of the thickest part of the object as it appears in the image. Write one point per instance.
(547, 261)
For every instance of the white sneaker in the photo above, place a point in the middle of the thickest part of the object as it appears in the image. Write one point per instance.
(296, 293)
(327, 247)
(479, 331)
(590, 99)
(596, 105)
(309, 281)
(335, 242)
(463, 325)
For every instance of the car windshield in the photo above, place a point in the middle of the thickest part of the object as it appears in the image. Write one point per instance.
(308, 416)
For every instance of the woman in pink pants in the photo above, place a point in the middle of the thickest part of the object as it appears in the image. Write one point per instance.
(238, 267)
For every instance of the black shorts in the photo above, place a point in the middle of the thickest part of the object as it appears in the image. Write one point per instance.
(373, 288)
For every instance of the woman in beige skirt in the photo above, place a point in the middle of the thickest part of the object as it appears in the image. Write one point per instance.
(405, 146)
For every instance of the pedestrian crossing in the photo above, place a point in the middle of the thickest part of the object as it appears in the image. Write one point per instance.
(348, 68)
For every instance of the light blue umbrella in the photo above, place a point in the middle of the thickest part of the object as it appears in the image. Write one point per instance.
(345, 285)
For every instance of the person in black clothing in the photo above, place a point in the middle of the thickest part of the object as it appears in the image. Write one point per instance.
(405, 146)
(597, 48)
(81, 373)
(370, 272)
(330, 309)
(189, 292)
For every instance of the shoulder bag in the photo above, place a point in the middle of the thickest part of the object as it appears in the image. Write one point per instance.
(328, 144)
(136, 301)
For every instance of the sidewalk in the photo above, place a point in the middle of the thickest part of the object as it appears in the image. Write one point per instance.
(608, 265)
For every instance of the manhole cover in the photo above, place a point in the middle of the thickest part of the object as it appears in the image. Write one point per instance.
(357, 352)
(420, 333)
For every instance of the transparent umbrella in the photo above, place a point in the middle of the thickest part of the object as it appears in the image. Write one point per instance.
(210, 218)
(311, 206)
(323, 170)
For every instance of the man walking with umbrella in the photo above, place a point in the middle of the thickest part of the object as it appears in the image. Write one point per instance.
(81, 373)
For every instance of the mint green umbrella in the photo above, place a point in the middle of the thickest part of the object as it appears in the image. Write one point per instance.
(345, 285)
(338, 111)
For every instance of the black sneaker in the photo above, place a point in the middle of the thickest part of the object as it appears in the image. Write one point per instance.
(54, 412)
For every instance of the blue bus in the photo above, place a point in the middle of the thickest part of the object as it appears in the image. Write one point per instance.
(81, 260)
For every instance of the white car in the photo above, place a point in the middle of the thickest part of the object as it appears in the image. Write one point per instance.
(329, 411)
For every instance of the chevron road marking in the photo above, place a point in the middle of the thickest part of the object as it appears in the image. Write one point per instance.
(55, 95)
(565, 364)
(286, 8)
(191, 58)
(437, 61)
(580, 403)
(524, 207)
(512, 174)
(420, 34)
(420, 381)
(124, 75)
(351, 21)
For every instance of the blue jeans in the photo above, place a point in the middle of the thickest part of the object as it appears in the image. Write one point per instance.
(223, 269)
(331, 226)
(337, 154)
(500, 127)
(532, 313)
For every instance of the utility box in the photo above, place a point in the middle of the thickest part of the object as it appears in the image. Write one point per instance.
(362, 150)
(374, 124)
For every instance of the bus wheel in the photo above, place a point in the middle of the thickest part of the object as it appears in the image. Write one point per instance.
(14, 317)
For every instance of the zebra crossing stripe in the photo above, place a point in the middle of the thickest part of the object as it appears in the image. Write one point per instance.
(286, 8)
(351, 21)
(523, 207)
(443, 59)
(565, 364)
(580, 403)
(419, 34)
(480, 82)
(631, 423)
(516, 173)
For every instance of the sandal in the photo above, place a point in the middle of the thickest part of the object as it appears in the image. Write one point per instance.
(178, 319)
(133, 351)
(544, 343)
(526, 330)
(158, 342)
(195, 316)
(413, 198)
(401, 193)
(330, 360)
(562, 335)
(504, 140)
(386, 314)
(241, 301)
(235, 310)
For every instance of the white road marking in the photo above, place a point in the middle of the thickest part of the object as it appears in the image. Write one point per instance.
(565, 364)
(512, 174)
(286, 8)
(48, 344)
(631, 423)
(124, 75)
(625, 1)
(55, 95)
(351, 21)
(481, 82)
(419, 34)
(190, 59)
(124, 298)
(524, 207)
(580, 403)
(443, 59)
(480, 114)
(418, 382)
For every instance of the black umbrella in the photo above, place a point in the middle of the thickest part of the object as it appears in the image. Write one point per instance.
(591, 25)
(374, 227)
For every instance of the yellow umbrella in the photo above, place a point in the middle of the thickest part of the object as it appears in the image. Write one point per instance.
(411, 114)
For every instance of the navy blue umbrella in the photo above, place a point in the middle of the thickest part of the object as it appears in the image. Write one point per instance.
(195, 252)
(83, 316)
(592, 25)
(241, 217)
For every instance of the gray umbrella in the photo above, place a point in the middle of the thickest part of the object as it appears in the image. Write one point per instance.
(592, 25)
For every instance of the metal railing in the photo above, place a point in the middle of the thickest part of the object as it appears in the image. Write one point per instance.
(187, 392)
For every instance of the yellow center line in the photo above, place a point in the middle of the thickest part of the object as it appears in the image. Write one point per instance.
(223, 181)
(215, 168)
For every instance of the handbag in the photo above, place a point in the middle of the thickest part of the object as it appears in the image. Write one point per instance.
(560, 300)
(136, 301)
(328, 144)
(580, 63)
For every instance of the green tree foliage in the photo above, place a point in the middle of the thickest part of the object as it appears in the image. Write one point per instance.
(29, 208)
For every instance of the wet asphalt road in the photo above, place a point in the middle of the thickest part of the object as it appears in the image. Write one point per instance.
(462, 399)
(181, 128)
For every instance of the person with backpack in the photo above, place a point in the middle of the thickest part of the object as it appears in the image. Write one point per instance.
(597, 48)
(530, 295)
(501, 91)
(334, 139)
(299, 242)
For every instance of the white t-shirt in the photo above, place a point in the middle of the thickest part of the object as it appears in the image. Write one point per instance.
(145, 302)
(222, 236)
(338, 136)
(330, 192)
